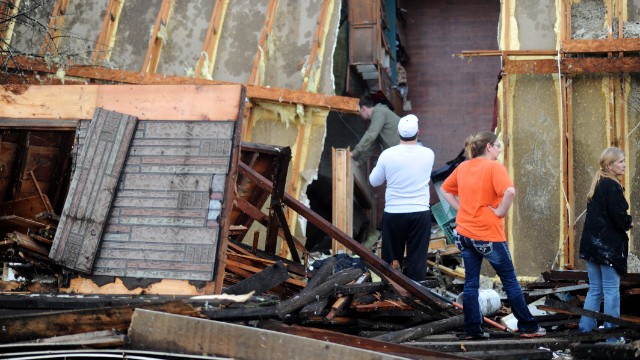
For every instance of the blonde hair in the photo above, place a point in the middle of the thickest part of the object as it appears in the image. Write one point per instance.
(476, 145)
(607, 157)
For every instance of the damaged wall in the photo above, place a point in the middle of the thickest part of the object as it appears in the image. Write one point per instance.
(273, 45)
(534, 137)
(303, 129)
(552, 176)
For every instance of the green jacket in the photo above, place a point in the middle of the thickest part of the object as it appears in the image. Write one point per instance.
(383, 131)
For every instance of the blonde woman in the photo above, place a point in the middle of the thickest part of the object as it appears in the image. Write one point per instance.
(604, 244)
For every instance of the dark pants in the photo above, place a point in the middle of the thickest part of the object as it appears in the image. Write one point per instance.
(412, 230)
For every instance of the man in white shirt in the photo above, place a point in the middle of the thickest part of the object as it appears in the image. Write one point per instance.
(406, 168)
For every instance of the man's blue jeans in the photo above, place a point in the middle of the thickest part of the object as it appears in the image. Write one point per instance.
(498, 255)
(603, 280)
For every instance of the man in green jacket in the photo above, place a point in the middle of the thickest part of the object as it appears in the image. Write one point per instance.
(383, 130)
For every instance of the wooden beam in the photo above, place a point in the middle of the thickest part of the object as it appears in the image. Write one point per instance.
(154, 49)
(36, 124)
(255, 270)
(550, 304)
(263, 281)
(356, 341)
(317, 44)
(277, 95)
(19, 167)
(342, 196)
(627, 45)
(146, 102)
(8, 12)
(570, 254)
(262, 53)
(165, 332)
(27, 208)
(573, 66)
(56, 22)
(232, 180)
(42, 325)
(612, 112)
(106, 39)
(210, 47)
(43, 198)
(374, 261)
(257, 215)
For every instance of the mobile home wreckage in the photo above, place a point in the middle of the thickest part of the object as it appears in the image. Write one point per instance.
(167, 167)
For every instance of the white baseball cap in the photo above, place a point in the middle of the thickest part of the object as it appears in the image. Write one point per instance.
(408, 126)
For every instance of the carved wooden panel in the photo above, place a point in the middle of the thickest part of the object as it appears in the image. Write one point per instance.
(98, 168)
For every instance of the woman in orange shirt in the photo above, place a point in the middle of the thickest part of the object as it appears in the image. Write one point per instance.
(484, 194)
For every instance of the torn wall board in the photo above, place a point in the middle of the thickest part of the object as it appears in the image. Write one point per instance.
(91, 191)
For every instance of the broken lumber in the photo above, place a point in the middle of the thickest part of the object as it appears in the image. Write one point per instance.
(355, 341)
(43, 325)
(423, 330)
(379, 265)
(306, 296)
(152, 330)
(554, 305)
(263, 281)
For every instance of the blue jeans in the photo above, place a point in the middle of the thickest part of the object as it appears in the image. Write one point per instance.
(497, 253)
(603, 280)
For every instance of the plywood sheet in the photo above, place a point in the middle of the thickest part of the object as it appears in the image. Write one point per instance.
(91, 191)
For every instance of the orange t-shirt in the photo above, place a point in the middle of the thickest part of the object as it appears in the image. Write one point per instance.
(479, 183)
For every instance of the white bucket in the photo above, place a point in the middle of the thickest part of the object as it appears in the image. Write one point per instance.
(489, 301)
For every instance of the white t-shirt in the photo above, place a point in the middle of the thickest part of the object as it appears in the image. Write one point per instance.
(407, 170)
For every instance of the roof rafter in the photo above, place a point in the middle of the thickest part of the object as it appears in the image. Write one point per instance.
(52, 38)
(106, 39)
(156, 41)
(262, 54)
(210, 48)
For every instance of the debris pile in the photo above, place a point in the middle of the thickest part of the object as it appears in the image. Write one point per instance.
(352, 302)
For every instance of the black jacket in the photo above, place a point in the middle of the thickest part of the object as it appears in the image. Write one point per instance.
(604, 237)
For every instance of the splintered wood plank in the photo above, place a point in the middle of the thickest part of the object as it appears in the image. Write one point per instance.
(152, 330)
(68, 322)
(342, 196)
(92, 190)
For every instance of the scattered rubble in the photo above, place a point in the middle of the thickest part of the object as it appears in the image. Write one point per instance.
(351, 299)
